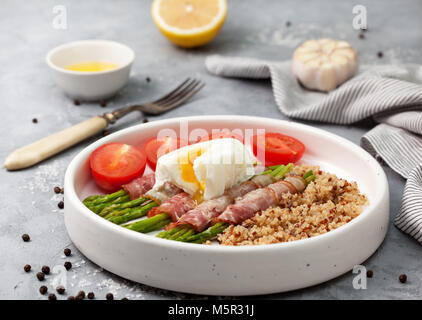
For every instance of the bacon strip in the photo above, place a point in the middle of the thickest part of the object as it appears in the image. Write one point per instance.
(200, 217)
(261, 199)
(138, 187)
(175, 207)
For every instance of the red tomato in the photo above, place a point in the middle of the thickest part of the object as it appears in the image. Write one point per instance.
(155, 148)
(115, 164)
(221, 135)
(278, 148)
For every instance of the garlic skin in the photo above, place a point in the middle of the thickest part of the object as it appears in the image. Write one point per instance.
(324, 64)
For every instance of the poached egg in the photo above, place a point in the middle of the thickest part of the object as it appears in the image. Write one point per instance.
(206, 169)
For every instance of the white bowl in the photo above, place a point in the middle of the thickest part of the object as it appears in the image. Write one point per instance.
(91, 86)
(223, 270)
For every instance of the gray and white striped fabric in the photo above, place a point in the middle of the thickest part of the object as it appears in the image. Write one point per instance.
(391, 95)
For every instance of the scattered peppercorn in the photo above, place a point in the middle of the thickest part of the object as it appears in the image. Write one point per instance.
(43, 289)
(40, 276)
(25, 237)
(103, 103)
(62, 191)
(60, 205)
(35, 120)
(148, 79)
(91, 295)
(71, 298)
(125, 298)
(52, 296)
(369, 273)
(45, 269)
(60, 289)
(27, 268)
(109, 296)
(361, 36)
(57, 190)
(67, 252)
(403, 278)
(145, 120)
(106, 133)
(68, 265)
(80, 295)
(380, 54)
(76, 102)
(288, 24)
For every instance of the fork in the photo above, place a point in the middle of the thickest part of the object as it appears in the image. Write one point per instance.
(38, 151)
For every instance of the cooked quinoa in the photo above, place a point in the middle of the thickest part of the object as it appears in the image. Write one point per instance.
(326, 204)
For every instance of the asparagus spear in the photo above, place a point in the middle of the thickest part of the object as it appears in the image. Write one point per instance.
(117, 207)
(99, 207)
(98, 199)
(133, 213)
(139, 226)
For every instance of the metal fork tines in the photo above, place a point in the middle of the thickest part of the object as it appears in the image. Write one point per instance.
(168, 102)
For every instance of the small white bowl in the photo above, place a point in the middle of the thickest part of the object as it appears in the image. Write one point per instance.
(224, 270)
(90, 86)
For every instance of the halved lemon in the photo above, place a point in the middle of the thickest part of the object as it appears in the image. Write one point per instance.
(189, 23)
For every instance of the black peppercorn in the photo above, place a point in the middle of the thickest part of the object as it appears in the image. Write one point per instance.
(60, 289)
(71, 298)
(52, 296)
(40, 276)
(43, 289)
(145, 120)
(148, 79)
(80, 295)
(45, 269)
(76, 102)
(361, 36)
(380, 54)
(27, 268)
(109, 296)
(369, 273)
(91, 295)
(25, 237)
(67, 252)
(60, 205)
(403, 278)
(68, 265)
(57, 190)
(103, 103)
(125, 298)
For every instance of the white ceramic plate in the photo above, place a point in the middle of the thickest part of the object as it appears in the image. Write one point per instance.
(222, 270)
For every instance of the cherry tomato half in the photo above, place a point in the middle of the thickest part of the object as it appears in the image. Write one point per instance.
(221, 135)
(155, 148)
(115, 164)
(278, 148)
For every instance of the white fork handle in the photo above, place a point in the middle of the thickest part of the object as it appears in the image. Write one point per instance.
(35, 152)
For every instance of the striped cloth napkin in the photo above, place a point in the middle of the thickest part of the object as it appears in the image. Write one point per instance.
(391, 95)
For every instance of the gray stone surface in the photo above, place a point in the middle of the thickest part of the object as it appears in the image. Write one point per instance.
(253, 28)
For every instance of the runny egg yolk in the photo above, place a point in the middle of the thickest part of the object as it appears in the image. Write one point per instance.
(187, 173)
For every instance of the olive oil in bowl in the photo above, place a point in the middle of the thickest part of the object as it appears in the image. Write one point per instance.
(93, 66)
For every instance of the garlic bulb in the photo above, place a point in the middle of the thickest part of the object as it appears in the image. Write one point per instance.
(324, 64)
